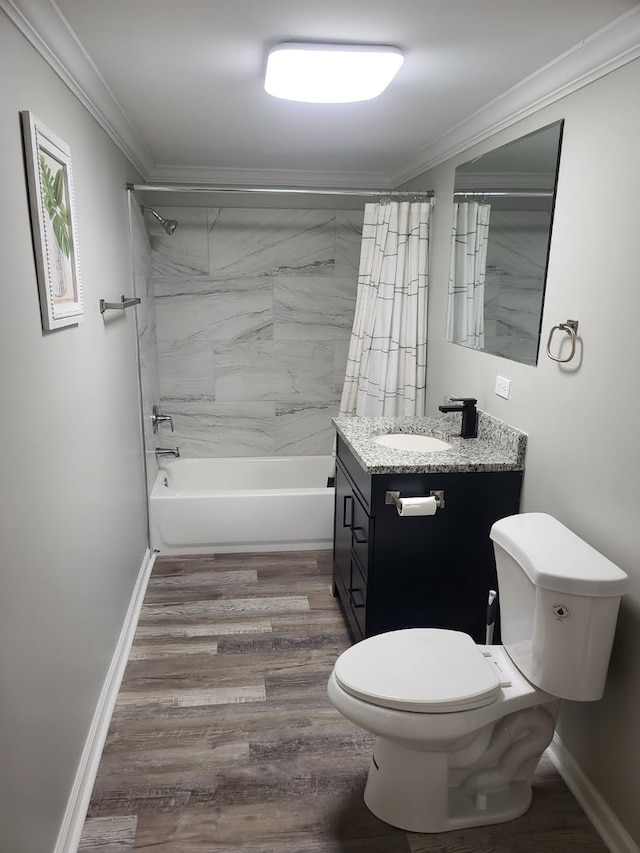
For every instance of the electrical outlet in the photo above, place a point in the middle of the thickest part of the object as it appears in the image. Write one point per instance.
(503, 387)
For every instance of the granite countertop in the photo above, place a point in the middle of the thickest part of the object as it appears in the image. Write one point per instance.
(498, 447)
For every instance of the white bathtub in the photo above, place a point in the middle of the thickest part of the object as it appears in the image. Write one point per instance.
(208, 506)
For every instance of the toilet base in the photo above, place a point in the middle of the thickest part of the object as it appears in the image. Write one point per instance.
(410, 790)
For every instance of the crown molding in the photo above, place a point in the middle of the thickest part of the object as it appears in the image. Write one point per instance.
(167, 173)
(601, 53)
(44, 26)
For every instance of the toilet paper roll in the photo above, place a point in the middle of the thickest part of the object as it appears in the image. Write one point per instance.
(417, 506)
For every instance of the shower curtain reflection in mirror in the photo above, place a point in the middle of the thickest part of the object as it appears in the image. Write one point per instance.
(467, 273)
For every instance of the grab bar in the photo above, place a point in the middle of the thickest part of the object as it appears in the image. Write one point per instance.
(571, 328)
(125, 302)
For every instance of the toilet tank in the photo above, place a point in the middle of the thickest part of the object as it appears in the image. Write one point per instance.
(559, 601)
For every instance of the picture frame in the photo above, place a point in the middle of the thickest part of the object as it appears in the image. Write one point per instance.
(53, 224)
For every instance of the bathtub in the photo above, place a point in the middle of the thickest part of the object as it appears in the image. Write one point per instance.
(208, 506)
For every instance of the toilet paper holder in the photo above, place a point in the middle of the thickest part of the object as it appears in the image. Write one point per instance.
(394, 497)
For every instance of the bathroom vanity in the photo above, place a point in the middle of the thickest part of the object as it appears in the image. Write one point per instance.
(396, 571)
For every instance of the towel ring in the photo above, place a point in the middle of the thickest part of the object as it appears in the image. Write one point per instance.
(571, 328)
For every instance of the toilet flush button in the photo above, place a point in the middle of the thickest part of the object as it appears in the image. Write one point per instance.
(561, 611)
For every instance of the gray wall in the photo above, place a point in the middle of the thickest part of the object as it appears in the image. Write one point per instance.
(583, 464)
(254, 311)
(72, 533)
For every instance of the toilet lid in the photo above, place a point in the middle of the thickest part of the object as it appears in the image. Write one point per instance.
(428, 670)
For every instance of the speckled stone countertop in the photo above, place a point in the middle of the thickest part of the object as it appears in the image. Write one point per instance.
(498, 447)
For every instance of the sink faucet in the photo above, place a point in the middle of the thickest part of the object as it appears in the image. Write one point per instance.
(467, 406)
(167, 451)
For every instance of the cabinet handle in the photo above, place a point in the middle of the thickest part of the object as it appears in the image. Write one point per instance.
(346, 523)
(352, 598)
(357, 539)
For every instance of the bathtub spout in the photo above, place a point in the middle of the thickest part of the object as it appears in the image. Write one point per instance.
(167, 451)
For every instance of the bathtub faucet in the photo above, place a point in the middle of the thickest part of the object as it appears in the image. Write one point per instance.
(167, 451)
(158, 418)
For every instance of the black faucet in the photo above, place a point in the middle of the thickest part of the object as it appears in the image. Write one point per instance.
(467, 406)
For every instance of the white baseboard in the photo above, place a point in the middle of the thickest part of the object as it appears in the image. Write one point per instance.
(613, 833)
(76, 811)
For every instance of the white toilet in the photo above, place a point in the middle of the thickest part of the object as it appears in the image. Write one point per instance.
(460, 727)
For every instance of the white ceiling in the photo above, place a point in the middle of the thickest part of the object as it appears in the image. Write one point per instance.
(178, 83)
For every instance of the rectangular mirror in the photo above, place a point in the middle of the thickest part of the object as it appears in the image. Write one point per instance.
(503, 216)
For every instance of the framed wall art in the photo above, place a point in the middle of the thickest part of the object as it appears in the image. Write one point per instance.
(53, 222)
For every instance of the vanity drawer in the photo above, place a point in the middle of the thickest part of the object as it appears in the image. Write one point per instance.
(361, 532)
(358, 596)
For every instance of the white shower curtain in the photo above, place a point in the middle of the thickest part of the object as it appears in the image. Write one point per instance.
(469, 240)
(386, 366)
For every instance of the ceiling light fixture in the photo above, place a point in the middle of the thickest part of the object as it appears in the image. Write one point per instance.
(330, 73)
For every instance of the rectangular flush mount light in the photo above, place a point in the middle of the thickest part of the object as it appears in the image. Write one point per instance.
(330, 73)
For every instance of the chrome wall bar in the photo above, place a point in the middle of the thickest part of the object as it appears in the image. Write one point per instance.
(125, 302)
(503, 194)
(204, 188)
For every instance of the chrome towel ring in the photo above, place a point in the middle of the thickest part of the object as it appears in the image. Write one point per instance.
(571, 328)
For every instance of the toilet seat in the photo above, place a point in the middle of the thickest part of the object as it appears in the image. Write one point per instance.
(425, 670)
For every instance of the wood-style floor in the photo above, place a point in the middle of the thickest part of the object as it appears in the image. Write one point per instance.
(223, 738)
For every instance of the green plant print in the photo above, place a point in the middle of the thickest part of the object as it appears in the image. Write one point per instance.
(53, 200)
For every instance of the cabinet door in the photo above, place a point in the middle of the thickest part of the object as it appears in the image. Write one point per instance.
(350, 545)
(436, 571)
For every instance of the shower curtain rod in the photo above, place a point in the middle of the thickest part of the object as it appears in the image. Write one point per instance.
(190, 188)
(505, 194)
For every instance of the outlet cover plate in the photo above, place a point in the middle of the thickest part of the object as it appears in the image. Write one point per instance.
(503, 387)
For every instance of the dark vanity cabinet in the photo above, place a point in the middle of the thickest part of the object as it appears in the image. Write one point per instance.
(392, 571)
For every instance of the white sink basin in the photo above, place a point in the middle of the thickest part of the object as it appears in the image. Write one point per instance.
(411, 441)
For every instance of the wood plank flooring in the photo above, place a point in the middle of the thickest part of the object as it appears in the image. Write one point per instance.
(223, 738)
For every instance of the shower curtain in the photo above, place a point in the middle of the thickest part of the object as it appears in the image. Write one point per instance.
(465, 306)
(386, 365)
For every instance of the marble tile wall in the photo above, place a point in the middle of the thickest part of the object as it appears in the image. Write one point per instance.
(254, 310)
(514, 286)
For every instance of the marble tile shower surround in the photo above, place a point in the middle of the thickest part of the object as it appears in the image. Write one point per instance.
(254, 311)
(516, 261)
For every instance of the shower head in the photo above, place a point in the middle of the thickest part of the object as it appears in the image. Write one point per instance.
(169, 225)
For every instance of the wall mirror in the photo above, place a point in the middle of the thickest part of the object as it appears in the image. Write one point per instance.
(503, 215)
